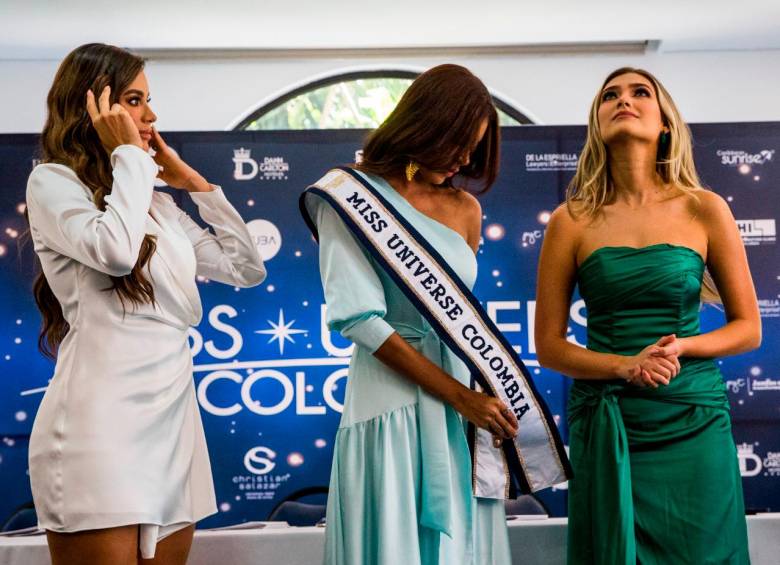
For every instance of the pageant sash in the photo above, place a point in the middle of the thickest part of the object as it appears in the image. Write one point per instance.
(535, 458)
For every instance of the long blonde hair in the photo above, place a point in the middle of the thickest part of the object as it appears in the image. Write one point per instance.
(592, 188)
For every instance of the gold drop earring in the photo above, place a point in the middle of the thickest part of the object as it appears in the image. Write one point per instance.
(411, 170)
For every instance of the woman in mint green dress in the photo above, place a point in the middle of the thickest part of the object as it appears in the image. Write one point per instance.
(656, 479)
(400, 489)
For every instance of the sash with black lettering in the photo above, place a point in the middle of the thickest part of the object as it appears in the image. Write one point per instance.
(535, 458)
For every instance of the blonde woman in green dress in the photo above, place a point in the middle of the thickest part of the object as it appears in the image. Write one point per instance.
(656, 478)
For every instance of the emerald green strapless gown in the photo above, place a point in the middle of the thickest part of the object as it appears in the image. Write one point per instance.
(656, 477)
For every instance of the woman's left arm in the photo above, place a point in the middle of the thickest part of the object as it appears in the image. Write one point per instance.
(728, 265)
(229, 255)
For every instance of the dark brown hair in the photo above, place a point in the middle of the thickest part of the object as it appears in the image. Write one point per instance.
(69, 139)
(437, 119)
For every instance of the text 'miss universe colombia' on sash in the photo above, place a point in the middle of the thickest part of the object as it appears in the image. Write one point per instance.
(535, 458)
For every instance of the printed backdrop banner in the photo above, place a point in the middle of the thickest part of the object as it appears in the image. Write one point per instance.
(270, 377)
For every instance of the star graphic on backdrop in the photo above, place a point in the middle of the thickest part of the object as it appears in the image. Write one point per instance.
(281, 331)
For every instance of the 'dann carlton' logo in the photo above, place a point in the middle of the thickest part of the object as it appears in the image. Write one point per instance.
(246, 168)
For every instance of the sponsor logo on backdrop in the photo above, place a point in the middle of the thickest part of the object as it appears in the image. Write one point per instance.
(260, 460)
(757, 232)
(736, 386)
(267, 237)
(765, 385)
(750, 463)
(530, 238)
(769, 307)
(551, 162)
(260, 484)
(772, 463)
(247, 168)
(740, 158)
(753, 384)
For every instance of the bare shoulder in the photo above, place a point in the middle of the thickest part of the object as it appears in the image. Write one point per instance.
(468, 204)
(466, 212)
(711, 209)
(567, 222)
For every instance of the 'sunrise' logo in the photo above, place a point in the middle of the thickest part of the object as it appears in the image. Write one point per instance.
(736, 158)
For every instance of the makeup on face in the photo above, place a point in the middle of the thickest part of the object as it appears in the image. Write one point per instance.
(136, 101)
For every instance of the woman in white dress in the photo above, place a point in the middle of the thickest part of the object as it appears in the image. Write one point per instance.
(118, 458)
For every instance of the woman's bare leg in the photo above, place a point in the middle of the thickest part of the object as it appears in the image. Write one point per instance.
(106, 546)
(172, 550)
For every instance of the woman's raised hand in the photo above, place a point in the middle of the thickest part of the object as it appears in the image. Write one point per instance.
(113, 124)
(173, 170)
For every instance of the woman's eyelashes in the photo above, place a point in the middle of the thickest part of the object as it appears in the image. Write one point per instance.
(136, 100)
(612, 94)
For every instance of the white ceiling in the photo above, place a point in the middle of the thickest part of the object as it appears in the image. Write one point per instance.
(47, 29)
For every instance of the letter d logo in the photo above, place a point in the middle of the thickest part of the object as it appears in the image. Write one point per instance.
(749, 464)
(243, 157)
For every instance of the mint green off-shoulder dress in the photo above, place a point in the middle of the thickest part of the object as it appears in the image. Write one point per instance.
(400, 487)
(656, 477)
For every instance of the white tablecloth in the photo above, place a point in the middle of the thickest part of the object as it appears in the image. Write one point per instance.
(541, 541)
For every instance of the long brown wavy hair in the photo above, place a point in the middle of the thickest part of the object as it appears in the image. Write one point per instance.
(70, 139)
(435, 120)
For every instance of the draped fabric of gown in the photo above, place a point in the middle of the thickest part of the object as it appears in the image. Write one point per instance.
(656, 477)
(400, 488)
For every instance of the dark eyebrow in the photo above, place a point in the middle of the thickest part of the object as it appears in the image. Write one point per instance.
(632, 85)
(134, 92)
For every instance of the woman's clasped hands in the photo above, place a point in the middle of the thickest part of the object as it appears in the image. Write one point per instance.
(657, 364)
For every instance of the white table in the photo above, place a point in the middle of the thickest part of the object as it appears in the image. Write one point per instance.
(533, 542)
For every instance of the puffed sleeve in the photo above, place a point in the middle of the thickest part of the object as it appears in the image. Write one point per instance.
(64, 218)
(229, 255)
(353, 291)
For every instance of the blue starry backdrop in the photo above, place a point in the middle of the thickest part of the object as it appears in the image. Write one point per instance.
(270, 377)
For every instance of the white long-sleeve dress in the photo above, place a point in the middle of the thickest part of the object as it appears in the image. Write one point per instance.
(118, 437)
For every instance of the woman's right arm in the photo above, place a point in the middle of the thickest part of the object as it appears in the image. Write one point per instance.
(480, 409)
(62, 214)
(356, 308)
(64, 218)
(556, 278)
